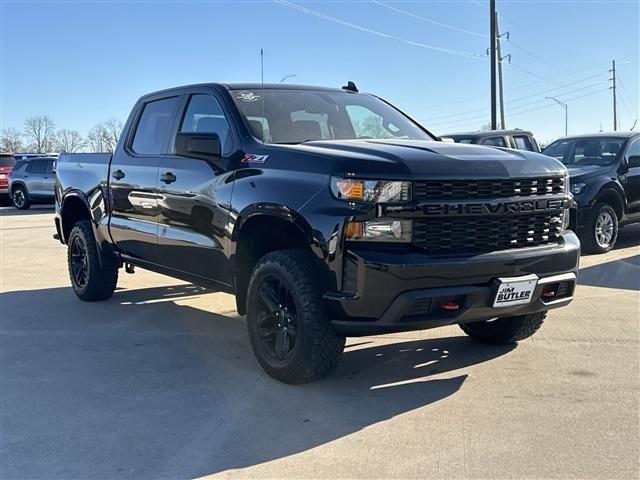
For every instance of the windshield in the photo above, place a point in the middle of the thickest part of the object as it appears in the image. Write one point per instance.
(586, 151)
(296, 116)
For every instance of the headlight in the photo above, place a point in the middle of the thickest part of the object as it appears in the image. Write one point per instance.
(577, 188)
(374, 191)
(379, 230)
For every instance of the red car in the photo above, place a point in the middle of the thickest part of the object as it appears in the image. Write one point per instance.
(7, 161)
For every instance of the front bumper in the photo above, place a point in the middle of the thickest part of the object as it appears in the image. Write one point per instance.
(400, 291)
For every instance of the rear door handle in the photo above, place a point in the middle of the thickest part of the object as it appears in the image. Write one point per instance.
(118, 174)
(168, 177)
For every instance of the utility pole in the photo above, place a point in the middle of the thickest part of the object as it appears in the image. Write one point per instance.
(492, 39)
(500, 58)
(615, 107)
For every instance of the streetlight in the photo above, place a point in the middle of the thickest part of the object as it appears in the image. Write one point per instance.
(566, 113)
(287, 76)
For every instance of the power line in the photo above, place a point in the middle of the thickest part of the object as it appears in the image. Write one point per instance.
(531, 54)
(526, 97)
(345, 23)
(450, 124)
(475, 122)
(519, 87)
(433, 22)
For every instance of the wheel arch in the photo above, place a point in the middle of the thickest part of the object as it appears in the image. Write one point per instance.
(612, 196)
(262, 229)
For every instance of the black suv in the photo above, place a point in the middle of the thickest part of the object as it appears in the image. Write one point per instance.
(604, 170)
(518, 139)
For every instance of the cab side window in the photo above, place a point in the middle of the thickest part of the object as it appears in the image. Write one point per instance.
(154, 127)
(494, 142)
(634, 151)
(204, 114)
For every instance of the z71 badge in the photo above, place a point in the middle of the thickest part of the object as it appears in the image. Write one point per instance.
(251, 158)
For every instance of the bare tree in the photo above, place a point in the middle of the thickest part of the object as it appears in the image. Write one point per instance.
(104, 136)
(10, 140)
(39, 129)
(68, 141)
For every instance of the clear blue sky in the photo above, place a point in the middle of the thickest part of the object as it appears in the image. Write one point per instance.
(84, 62)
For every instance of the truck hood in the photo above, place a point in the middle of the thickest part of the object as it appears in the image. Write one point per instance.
(430, 159)
(578, 173)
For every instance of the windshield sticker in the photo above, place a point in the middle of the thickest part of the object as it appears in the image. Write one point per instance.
(248, 97)
(250, 158)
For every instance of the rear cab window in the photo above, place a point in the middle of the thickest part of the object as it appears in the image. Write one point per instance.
(154, 127)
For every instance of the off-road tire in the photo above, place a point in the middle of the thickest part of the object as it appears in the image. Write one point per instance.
(23, 202)
(505, 330)
(588, 237)
(102, 277)
(317, 349)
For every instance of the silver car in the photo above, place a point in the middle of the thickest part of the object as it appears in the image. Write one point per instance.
(32, 181)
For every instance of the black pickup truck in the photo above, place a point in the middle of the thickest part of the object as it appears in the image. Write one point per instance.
(327, 213)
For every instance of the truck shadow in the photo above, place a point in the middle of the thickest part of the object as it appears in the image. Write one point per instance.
(10, 211)
(142, 387)
(623, 273)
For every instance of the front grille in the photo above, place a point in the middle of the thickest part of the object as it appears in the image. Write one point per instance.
(481, 234)
(466, 189)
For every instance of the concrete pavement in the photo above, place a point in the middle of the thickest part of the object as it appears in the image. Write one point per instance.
(160, 382)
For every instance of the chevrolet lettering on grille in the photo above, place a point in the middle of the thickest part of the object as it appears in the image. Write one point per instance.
(474, 208)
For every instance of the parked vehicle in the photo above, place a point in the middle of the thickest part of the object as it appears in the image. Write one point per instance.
(32, 181)
(7, 161)
(604, 170)
(327, 213)
(518, 139)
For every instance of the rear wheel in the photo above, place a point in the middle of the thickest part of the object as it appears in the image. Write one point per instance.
(505, 330)
(21, 198)
(290, 333)
(91, 279)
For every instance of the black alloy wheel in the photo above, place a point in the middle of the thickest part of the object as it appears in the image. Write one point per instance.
(79, 262)
(277, 318)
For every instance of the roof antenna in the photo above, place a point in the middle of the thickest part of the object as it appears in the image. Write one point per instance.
(350, 87)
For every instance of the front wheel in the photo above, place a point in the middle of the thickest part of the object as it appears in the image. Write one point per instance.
(505, 330)
(289, 331)
(91, 278)
(602, 232)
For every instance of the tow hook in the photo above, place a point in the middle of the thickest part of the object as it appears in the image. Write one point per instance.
(129, 268)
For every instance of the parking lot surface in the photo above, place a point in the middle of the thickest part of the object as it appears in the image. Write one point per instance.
(160, 382)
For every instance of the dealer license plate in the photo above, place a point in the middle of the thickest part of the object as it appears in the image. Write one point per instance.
(515, 291)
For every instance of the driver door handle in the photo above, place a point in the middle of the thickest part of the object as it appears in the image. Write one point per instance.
(168, 177)
(118, 174)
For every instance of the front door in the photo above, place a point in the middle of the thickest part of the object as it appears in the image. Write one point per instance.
(194, 198)
(133, 179)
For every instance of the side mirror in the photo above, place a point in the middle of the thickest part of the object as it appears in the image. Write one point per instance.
(205, 146)
(634, 161)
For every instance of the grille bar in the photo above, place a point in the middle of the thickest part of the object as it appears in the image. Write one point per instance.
(481, 234)
(503, 188)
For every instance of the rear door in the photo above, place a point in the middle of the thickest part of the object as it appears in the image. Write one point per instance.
(133, 178)
(34, 177)
(194, 196)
